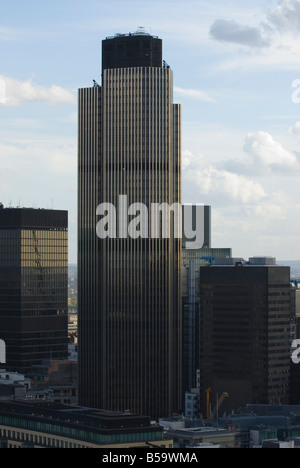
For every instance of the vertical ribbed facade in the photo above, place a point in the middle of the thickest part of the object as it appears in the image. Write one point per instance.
(129, 305)
(89, 325)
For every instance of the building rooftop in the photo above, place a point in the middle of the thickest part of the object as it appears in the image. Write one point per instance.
(138, 49)
(196, 432)
(99, 421)
(32, 217)
(253, 261)
(140, 32)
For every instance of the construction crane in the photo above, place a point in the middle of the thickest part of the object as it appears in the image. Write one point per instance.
(208, 392)
(219, 404)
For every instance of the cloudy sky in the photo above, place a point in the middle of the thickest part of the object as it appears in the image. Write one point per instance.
(236, 74)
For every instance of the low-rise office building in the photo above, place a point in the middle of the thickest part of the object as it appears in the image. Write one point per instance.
(188, 434)
(50, 425)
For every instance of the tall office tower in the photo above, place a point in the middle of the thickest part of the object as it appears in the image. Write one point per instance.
(129, 288)
(245, 333)
(194, 255)
(33, 286)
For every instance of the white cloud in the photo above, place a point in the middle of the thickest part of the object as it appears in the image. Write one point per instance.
(273, 209)
(234, 187)
(274, 33)
(40, 156)
(218, 184)
(265, 157)
(295, 129)
(194, 94)
(187, 159)
(269, 155)
(255, 209)
(18, 92)
(286, 16)
(231, 31)
(251, 217)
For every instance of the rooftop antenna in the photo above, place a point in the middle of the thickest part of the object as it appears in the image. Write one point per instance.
(141, 30)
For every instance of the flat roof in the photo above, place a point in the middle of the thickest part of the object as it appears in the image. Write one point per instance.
(130, 34)
(95, 420)
(33, 218)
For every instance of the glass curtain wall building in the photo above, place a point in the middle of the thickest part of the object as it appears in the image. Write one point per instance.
(129, 289)
(33, 286)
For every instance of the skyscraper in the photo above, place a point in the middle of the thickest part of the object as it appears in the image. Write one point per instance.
(33, 286)
(129, 288)
(194, 256)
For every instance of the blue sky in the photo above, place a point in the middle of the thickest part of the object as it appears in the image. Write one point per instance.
(234, 65)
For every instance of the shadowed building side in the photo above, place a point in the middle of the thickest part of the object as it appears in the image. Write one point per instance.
(129, 289)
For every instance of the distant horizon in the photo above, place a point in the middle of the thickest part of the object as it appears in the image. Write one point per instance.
(290, 261)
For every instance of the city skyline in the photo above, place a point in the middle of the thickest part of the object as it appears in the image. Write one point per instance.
(234, 70)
